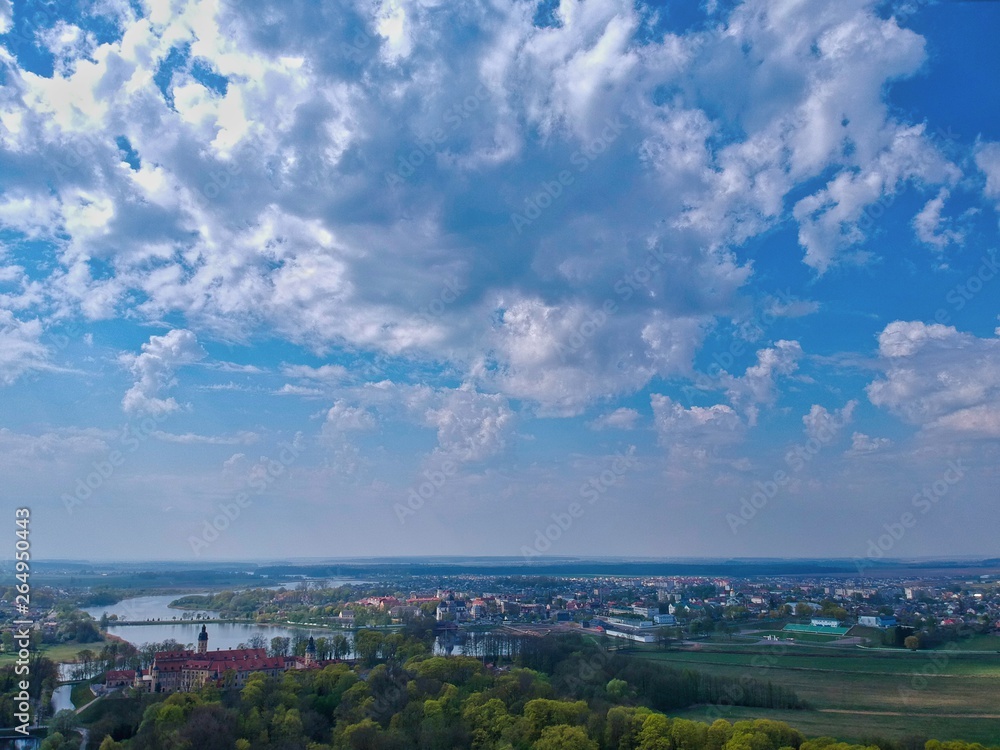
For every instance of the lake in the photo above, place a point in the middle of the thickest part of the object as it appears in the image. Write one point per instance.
(168, 624)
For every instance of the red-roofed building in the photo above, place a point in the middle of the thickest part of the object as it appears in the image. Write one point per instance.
(189, 670)
(119, 678)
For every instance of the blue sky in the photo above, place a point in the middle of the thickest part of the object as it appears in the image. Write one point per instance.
(508, 278)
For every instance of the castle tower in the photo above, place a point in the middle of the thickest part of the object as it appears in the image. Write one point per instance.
(310, 651)
(203, 640)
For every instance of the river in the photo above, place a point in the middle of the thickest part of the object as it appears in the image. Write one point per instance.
(61, 699)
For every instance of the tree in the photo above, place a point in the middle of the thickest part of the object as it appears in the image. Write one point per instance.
(617, 689)
(56, 741)
(664, 637)
(368, 643)
(340, 646)
(279, 646)
(911, 642)
(564, 737)
(64, 722)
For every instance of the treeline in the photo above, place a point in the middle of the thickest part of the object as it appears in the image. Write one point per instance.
(228, 603)
(304, 597)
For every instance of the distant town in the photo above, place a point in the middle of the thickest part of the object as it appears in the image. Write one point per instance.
(792, 640)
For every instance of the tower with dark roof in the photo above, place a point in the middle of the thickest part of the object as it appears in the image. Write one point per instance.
(311, 651)
(203, 640)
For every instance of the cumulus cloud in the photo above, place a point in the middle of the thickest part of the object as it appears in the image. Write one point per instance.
(824, 425)
(939, 378)
(564, 357)
(154, 370)
(862, 444)
(229, 168)
(988, 161)
(471, 426)
(838, 217)
(757, 385)
(53, 447)
(619, 419)
(21, 348)
(342, 417)
(931, 228)
(695, 436)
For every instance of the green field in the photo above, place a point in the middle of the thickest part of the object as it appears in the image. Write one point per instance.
(975, 643)
(941, 695)
(60, 652)
(859, 727)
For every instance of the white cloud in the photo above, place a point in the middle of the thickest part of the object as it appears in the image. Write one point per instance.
(298, 390)
(837, 217)
(757, 385)
(190, 438)
(471, 426)
(6, 16)
(988, 161)
(250, 213)
(565, 357)
(21, 348)
(56, 446)
(824, 425)
(344, 418)
(695, 437)
(939, 378)
(154, 371)
(619, 419)
(332, 373)
(862, 444)
(931, 228)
